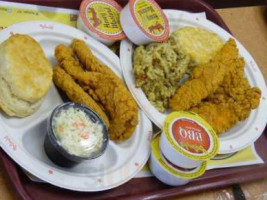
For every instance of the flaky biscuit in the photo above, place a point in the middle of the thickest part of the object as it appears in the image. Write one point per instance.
(200, 44)
(14, 106)
(25, 68)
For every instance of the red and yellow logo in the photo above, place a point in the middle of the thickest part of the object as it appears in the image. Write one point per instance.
(190, 135)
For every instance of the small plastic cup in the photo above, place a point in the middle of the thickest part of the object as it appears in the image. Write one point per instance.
(169, 173)
(57, 153)
(187, 140)
(101, 20)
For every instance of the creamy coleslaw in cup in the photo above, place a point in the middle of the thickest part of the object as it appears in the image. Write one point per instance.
(75, 133)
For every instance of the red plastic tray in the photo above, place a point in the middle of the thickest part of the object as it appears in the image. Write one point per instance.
(141, 188)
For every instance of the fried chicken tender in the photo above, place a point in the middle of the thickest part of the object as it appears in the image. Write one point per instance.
(236, 91)
(109, 90)
(118, 103)
(89, 61)
(85, 55)
(67, 61)
(75, 92)
(231, 102)
(205, 79)
(65, 56)
(219, 116)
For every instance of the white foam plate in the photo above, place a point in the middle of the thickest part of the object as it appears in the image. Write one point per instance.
(235, 139)
(22, 139)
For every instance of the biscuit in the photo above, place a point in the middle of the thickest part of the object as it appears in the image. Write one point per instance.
(25, 75)
(199, 44)
(25, 68)
(14, 106)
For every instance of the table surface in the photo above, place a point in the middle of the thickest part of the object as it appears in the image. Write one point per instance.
(249, 25)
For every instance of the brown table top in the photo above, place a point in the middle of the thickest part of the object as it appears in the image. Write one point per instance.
(249, 25)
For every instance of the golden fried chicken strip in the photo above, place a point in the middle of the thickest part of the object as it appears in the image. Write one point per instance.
(205, 79)
(231, 102)
(88, 59)
(85, 55)
(65, 58)
(219, 116)
(116, 100)
(75, 92)
(236, 91)
(119, 104)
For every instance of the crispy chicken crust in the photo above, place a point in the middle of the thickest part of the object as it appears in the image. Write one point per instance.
(118, 103)
(236, 91)
(85, 55)
(65, 56)
(205, 79)
(75, 92)
(232, 101)
(219, 91)
(89, 61)
(219, 116)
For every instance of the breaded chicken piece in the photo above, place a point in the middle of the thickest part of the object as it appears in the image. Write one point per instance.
(219, 116)
(65, 56)
(236, 91)
(231, 102)
(85, 55)
(118, 103)
(111, 92)
(116, 100)
(205, 79)
(75, 92)
(67, 61)
(90, 62)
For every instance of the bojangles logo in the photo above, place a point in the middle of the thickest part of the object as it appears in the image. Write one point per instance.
(46, 26)
(157, 27)
(191, 136)
(95, 19)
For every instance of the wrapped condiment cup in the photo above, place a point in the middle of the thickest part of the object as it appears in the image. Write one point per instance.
(187, 140)
(143, 22)
(167, 172)
(101, 20)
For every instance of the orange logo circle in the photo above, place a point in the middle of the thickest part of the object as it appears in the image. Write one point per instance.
(191, 136)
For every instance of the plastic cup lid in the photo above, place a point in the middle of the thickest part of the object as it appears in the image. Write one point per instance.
(103, 18)
(191, 135)
(150, 18)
